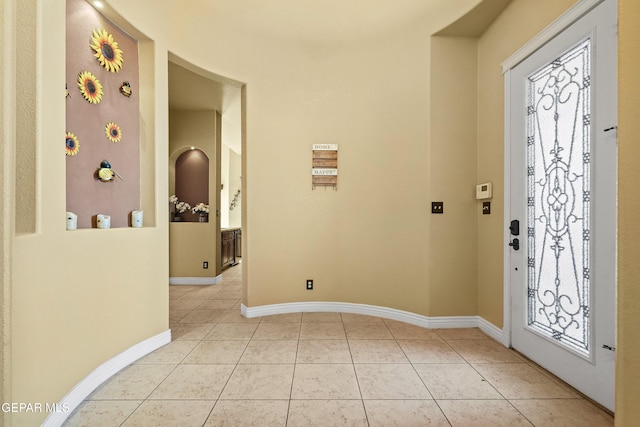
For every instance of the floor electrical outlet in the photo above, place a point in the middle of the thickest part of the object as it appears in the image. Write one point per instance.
(309, 284)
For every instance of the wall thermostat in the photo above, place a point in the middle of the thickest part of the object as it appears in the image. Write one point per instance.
(483, 191)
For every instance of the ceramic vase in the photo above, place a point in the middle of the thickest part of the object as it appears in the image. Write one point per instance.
(136, 219)
(72, 221)
(103, 221)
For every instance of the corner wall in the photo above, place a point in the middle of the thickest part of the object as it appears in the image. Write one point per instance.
(235, 185)
(369, 241)
(79, 298)
(25, 116)
(628, 341)
(452, 177)
(191, 243)
(518, 23)
(7, 190)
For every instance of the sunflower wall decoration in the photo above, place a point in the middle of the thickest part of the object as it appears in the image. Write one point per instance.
(113, 132)
(72, 146)
(107, 51)
(90, 87)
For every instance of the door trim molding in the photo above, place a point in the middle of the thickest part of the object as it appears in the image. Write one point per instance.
(564, 21)
(506, 262)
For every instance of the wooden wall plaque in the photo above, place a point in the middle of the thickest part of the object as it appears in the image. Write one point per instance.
(324, 166)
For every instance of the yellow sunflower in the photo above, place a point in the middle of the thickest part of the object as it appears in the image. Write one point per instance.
(107, 51)
(113, 132)
(90, 87)
(72, 146)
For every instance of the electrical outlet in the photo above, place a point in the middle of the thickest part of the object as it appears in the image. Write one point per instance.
(437, 207)
(205, 264)
(309, 284)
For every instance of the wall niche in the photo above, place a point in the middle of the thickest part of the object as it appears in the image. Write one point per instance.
(192, 184)
(102, 141)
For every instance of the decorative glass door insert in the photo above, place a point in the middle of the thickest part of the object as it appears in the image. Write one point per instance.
(558, 199)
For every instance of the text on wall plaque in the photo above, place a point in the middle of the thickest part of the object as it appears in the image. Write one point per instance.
(324, 166)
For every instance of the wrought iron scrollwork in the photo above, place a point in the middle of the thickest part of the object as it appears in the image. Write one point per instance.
(558, 198)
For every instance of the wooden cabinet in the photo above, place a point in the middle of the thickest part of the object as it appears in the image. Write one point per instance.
(231, 241)
(238, 243)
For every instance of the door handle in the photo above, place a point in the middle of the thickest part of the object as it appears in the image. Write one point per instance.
(515, 244)
(514, 227)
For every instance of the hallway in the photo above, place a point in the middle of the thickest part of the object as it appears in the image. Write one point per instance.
(325, 369)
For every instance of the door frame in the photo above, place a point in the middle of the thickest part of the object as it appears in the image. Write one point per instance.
(564, 21)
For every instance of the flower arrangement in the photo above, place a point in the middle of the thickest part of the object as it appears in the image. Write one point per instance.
(200, 209)
(181, 207)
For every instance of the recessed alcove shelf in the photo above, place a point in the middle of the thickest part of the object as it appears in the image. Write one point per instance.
(191, 182)
(102, 119)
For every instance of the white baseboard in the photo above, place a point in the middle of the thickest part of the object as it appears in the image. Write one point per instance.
(494, 332)
(102, 373)
(385, 312)
(195, 280)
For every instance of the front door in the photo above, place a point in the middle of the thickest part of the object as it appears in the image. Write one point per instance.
(562, 144)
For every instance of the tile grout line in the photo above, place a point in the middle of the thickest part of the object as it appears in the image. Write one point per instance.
(215, 403)
(293, 375)
(355, 372)
(170, 372)
(201, 340)
(422, 379)
(396, 340)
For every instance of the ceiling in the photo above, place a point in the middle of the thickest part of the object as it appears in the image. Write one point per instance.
(198, 90)
(191, 88)
(312, 22)
(476, 21)
(336, 20)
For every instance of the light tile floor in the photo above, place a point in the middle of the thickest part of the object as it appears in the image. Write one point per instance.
(325, 369)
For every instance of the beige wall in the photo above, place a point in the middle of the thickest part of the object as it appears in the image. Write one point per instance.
(520, 21)
(191, 243)
(231, 179)
(235, 184)
(369, 242)
(25, 154)
(366, 242)
(77, 298)
(452, 242)
(628, 343)
(7, 189)
(224, 182)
